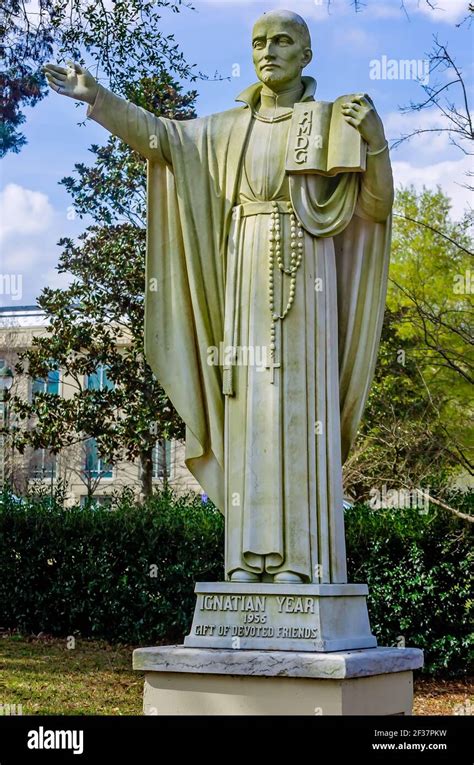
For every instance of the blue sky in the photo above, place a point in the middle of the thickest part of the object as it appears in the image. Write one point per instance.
(36, 211)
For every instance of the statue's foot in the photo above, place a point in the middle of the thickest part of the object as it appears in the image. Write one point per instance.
(239, 575)
(288, 577)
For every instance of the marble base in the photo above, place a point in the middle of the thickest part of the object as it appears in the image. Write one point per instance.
(193, 681)
(281, 617)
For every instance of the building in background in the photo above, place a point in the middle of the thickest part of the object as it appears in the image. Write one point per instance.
(80, 467)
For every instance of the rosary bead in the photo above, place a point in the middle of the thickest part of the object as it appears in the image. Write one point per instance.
(275, 252)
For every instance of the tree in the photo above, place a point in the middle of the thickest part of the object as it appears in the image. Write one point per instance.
(361, 5)
(447, 94)
(113, 189)
(122, 41)
(431, 286)
(401, 443)
(98, 320)
(416, 429)
(21, 80)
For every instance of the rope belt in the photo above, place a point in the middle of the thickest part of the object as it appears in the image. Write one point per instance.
(261, 208)
(275, 253)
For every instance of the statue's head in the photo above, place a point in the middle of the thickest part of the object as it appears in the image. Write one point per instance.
(281, 48)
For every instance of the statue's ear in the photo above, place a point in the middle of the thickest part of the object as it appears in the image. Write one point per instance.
(307, 57)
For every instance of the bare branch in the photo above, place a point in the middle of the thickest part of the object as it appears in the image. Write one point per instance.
(435, 231)
(430, 498)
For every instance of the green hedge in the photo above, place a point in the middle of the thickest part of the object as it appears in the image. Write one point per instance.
(127, 574)
(419, 571)
(92, 571)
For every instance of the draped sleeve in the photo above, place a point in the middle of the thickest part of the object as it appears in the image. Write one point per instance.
(342, 207)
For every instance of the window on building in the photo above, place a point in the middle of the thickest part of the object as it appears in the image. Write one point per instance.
(94, 465)
(49, 384)
(42, 465)
(162, 459)
(99, 379)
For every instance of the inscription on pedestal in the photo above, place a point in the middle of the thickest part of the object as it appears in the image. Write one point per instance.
(254, 615)
(289, 617)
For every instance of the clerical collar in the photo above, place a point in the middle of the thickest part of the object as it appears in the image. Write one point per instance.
(251, 95)
(287, 99)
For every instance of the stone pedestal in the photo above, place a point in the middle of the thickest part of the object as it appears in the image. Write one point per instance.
(281, 617)
(194, 681)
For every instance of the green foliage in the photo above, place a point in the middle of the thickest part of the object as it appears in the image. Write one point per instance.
(419, 571)
(91, 571)
(417, 427)
(99, 318)
(121, 41)
(401, 442)
(22, 83)
(430, 292)
(113, 189)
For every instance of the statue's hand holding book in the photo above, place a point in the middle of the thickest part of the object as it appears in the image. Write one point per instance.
(328, 138)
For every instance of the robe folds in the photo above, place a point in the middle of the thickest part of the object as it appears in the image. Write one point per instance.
(196, 228)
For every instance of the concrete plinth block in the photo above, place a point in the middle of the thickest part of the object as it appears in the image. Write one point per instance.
(194, 681)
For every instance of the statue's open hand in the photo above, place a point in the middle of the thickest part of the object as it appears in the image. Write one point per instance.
(73, 81)
(361, 114)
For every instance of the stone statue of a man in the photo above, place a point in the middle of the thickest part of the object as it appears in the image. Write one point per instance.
(249, 255)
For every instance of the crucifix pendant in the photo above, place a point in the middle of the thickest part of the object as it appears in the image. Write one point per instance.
(272, 365)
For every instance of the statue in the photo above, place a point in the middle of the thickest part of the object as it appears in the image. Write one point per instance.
(253, 250)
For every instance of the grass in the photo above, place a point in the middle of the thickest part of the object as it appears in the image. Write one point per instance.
(46, 677)
(95, 678)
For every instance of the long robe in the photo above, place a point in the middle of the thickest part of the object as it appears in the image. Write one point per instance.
(270, 455)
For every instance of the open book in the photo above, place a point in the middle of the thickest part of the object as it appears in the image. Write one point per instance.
(321, 141)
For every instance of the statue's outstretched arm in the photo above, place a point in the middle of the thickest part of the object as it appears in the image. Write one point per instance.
(140, 129)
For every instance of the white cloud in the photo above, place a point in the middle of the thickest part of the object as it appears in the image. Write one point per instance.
(449, 11)
(29, 231)
(306, 8)
(23, 211)
(442, 11)
(51, 278)
(354, 38)
(385, 11)
(421, 165)
(430, 143)
(21, 257)
(450, 176)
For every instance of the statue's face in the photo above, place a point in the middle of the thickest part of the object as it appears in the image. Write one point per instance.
(278, 51)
